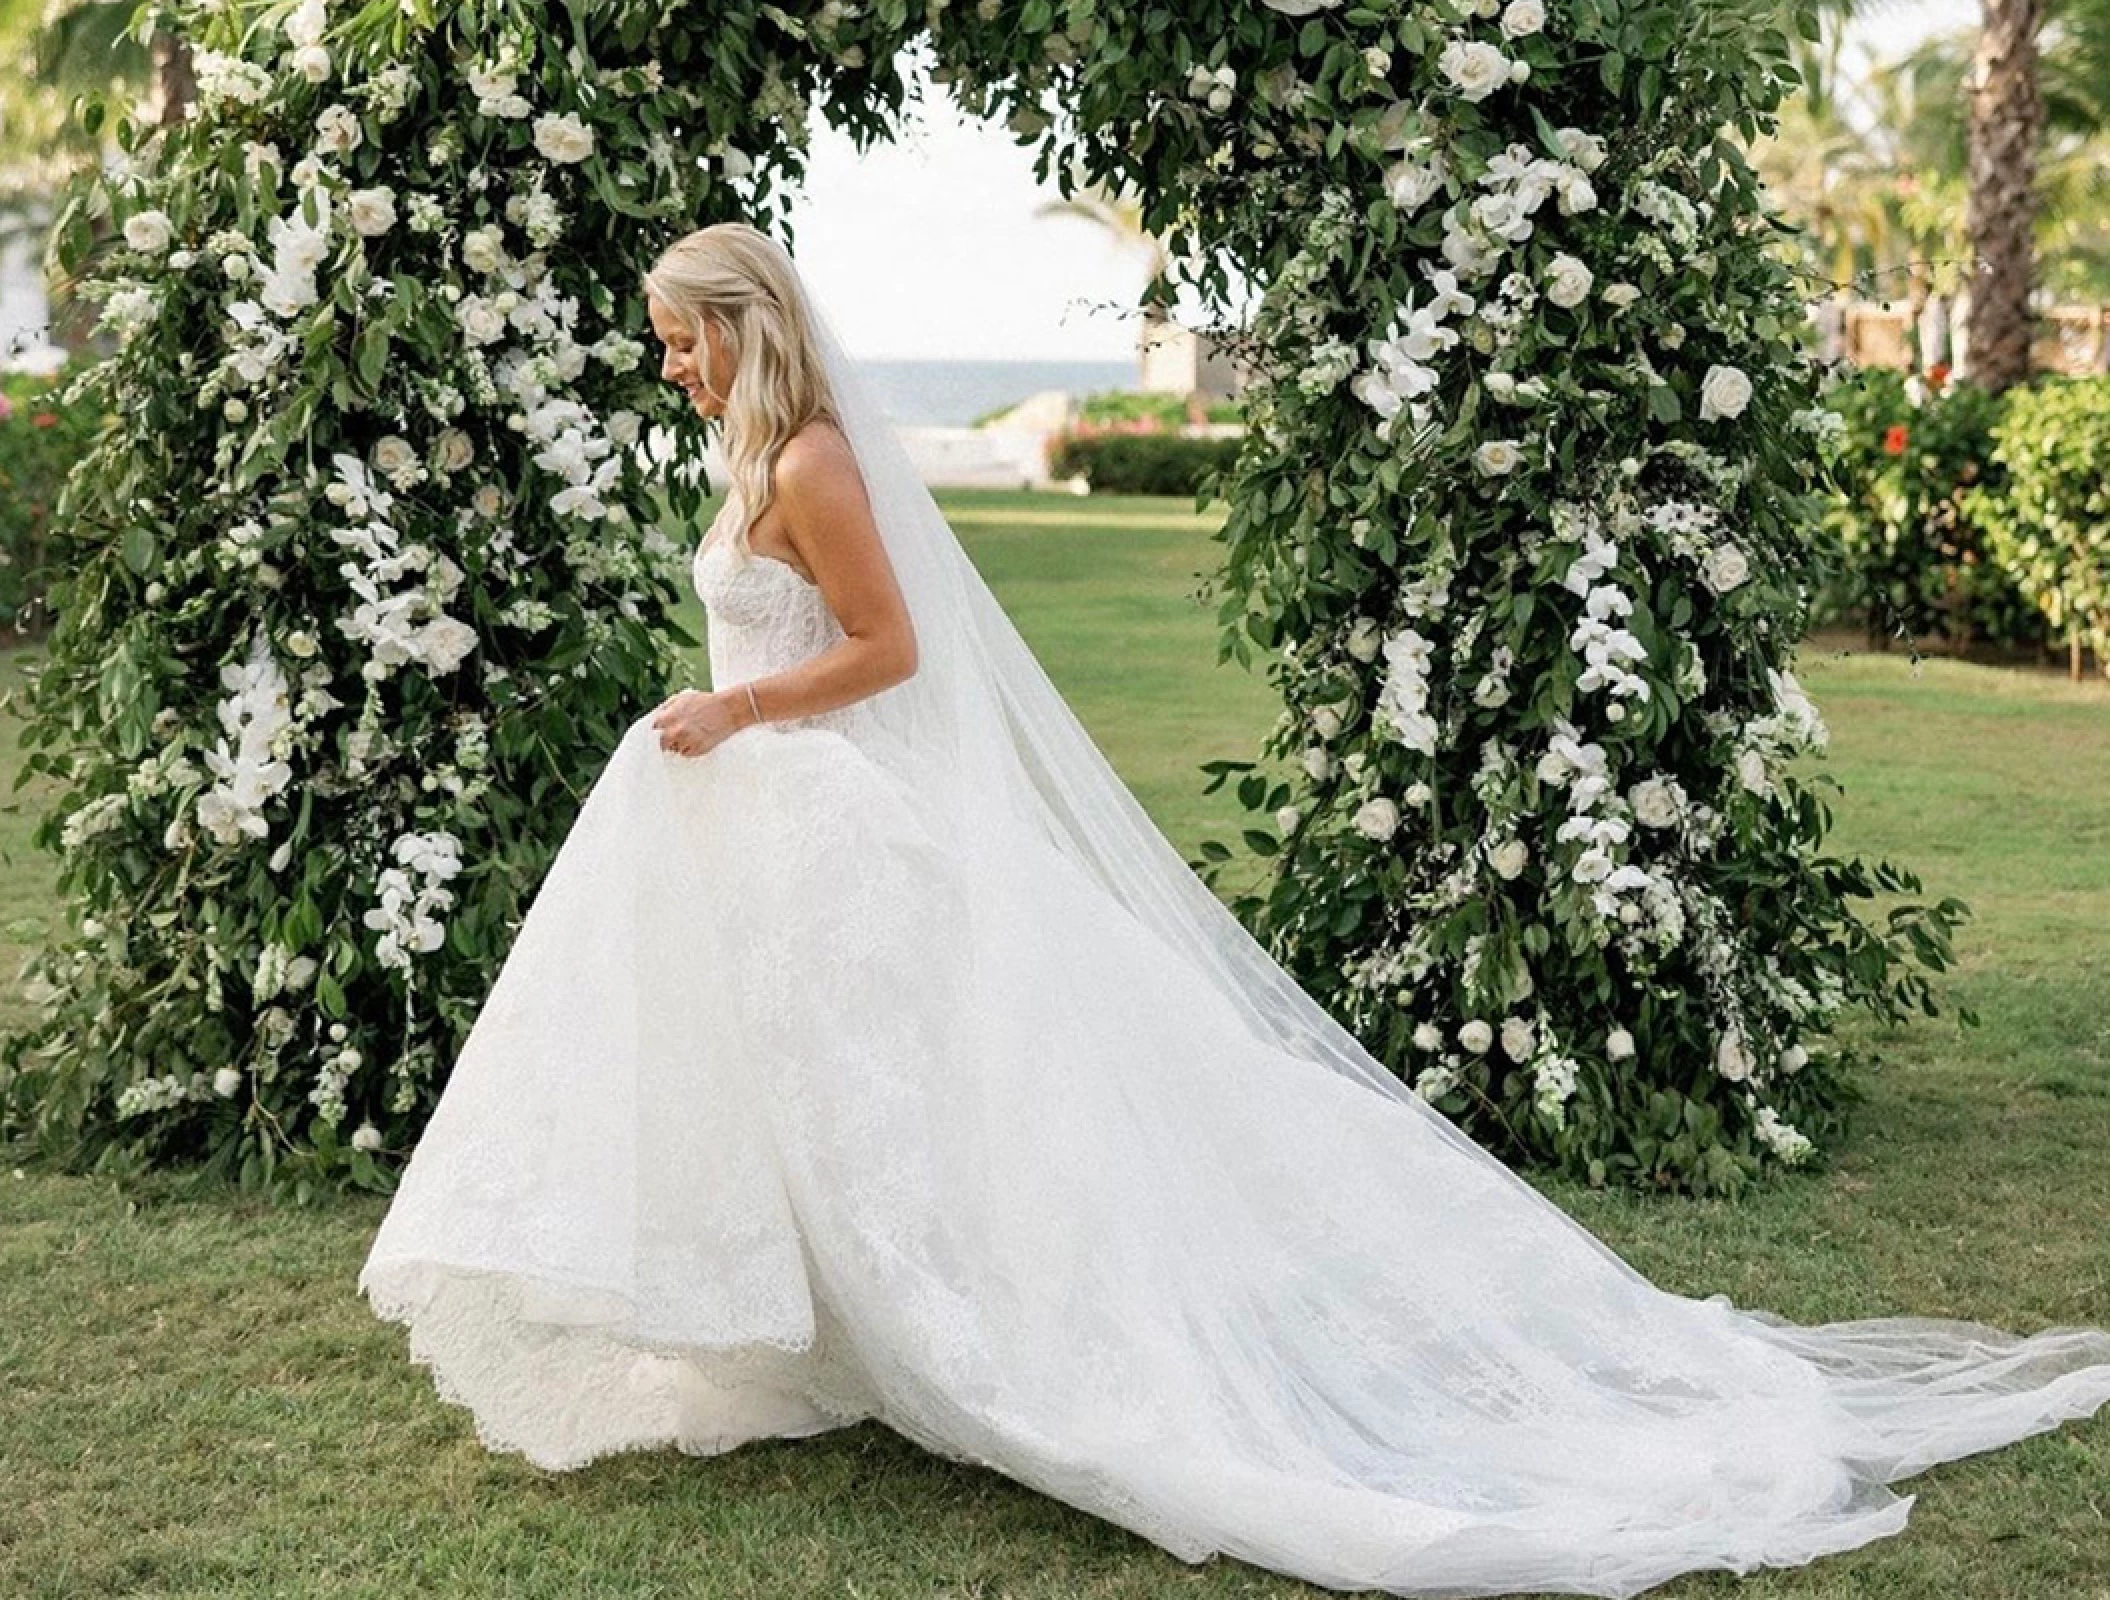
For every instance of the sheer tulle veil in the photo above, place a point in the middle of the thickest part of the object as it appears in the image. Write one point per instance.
(990, 743)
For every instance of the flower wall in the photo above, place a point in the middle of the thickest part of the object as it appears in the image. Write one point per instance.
(368, 579)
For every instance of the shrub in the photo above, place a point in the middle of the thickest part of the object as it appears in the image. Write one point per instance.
(1140, 463)
(1111, 409)
(1910, 563)
(41, 436)
(2047, 522)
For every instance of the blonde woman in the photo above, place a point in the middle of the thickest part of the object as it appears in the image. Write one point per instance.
(867, 1054)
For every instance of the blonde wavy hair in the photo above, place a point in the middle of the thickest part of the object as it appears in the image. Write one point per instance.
(741, 279)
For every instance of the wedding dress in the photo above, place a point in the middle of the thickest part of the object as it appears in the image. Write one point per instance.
(886, 1063)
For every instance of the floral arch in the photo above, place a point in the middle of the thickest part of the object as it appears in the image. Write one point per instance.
(366, 577)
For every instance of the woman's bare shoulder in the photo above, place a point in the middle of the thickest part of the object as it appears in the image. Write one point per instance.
(819, 446)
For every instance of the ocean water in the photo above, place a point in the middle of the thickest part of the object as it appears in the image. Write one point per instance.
(928, 394)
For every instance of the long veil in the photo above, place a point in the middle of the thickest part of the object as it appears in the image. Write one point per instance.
(985, 732)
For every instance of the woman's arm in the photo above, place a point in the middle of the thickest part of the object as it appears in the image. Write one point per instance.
(828, 521)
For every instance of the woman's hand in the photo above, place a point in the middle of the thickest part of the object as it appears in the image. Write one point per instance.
(696, 721)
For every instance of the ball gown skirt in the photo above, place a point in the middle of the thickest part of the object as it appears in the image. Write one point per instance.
(792, 1106)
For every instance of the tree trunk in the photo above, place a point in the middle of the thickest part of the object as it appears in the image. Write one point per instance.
(2007, 117)
(175, 79)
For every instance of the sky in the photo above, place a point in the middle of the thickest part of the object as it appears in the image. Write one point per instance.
(929, 247)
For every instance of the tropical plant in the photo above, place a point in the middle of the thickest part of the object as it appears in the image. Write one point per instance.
(2048, 519)
(1912, 564)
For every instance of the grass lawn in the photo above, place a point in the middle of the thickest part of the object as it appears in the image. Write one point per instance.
(197, 1403)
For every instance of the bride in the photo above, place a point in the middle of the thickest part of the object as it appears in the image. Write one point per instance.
(867, 1053)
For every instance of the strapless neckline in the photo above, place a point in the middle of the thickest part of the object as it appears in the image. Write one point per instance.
(764, 555)
(712, 537)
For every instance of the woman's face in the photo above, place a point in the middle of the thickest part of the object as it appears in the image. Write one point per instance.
(705, 373)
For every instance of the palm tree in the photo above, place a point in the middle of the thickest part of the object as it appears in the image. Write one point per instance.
(1121, 215)
(2007, 129)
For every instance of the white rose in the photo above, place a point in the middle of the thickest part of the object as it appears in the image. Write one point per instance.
(1477, 70)
(304, 24)
(148, 231)
(1365, 640)
(1522, 18)
(373, 211)
(227, 1082)
(1568, 281)
(1508, 858)
(1793, 1059)
(486, 502)
(1287, 818)
(623, 426)
(1498, 457)
(1378, 818)
(483, 249)
(1724, 393)
(1730, 1060)
(1655, 803)
(455, 450)
(1418, 795)
(366, 1137)
(1427, 1036)
(1296, 8)
(1410, 185)
(1518, 1038)
(1476, 1036)
(312, 62)
(563, 138)
(1586, 150)
(1724, 568)
(235, 410)
(1500, 385)
(337, 132)
(1318, 764)
(481, 321)
(1618, 1045)
(1326, 722)
(1619, 295)
(393, 454)
(301, 644)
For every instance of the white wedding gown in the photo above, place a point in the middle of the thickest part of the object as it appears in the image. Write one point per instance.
(794, 1105)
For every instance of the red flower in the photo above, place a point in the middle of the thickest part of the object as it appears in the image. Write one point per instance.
(46, 419)
(1894, 440)
(1938, 374)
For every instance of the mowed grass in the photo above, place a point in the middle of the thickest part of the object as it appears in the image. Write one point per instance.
(197, 1403)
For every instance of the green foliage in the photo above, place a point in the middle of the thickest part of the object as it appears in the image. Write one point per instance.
(1113, 406)
(2048, 522)
(41, 436)
(1910, 562)
(1140, 463)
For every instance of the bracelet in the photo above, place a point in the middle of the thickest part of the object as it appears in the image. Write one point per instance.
(757, 710)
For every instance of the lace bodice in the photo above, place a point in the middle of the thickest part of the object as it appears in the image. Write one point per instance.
(762, 616)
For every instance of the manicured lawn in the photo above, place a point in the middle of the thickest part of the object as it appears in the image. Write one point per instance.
(197, 1403)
